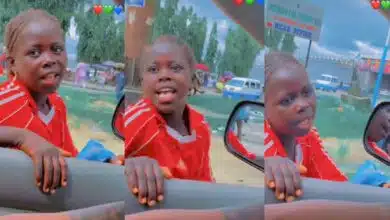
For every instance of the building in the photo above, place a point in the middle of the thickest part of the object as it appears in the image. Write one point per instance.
(369, 69)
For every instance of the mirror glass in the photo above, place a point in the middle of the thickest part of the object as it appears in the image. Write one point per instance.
(377, 134)
(244, 133)
(117, 119)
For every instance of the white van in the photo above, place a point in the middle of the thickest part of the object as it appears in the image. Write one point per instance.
(242, 88)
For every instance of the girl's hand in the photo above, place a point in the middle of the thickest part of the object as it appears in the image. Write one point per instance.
(145, 179)
(282, 175)
(51, 170)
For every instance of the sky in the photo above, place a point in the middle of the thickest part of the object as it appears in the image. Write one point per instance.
(349, 27)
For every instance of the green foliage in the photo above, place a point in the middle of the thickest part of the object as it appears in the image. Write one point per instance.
(277, 41)
(100, 38)
(240, 52)
(212, 48)
(62, 9)
(183, 23)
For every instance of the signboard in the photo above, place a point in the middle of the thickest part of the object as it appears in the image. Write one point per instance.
(296, 17)
(372, 65)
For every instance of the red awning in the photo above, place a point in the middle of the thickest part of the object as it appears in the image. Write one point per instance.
(203, 67)
(373, 65)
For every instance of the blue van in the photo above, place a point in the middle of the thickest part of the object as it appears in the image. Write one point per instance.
(240, 88)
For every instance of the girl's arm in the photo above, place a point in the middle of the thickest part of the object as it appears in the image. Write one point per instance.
(11, 136)
(324, 210)
(111, 211)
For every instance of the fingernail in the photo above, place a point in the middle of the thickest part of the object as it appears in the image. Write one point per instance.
(271, 184)
(38, 184)
(152, 203)
(135, 190)
(290, 198)
(142, 200)
(46, 190)
(281, 196)
(298, 192)
(64, 184)
(52, 191)
(160, 198)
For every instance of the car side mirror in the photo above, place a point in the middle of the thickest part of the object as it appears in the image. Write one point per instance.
(244, 133)
(117, 119)
(376, 139)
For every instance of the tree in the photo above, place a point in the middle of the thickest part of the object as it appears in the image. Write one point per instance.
(288, 44)
(62, 9)
(100, 38)
(212, 48)
(240, 52)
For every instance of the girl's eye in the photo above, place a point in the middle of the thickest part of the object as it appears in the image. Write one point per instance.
(287, 101)
(152, 69)
(307, 92)
(58, 49)
(34, 53)
(177, 68)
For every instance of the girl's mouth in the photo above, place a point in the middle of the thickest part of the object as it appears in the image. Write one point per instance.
(166, 95)
(51, 79)
(306, 124)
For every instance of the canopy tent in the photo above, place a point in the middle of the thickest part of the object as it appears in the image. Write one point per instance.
(203, 67)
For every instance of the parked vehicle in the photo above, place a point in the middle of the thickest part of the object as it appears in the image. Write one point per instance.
(240, 88)
(330, 83)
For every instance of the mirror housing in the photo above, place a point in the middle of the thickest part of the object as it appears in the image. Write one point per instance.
(117, 119)
(376, 139)
(243, 131)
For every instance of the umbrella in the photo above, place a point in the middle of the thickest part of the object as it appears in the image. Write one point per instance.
(203, 67)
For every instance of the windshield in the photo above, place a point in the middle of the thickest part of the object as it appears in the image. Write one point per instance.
(236, 82)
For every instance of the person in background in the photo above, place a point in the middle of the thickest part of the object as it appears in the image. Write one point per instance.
(120, 81)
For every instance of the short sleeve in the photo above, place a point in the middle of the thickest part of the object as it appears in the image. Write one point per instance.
(140, 127)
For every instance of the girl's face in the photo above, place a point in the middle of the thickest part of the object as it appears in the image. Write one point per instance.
(39, 59)
(290, 102)
(166, 77)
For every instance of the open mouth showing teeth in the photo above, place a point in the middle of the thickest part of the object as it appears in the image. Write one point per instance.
(50, 76)
(165, 91)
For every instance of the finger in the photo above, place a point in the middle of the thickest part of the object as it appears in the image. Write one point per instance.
(65, 153)
(288, 179)
(64, 171)
(48, 173)
(141, 182)
(302, 169)
(160, 180)
(56, 174)
(151, 185)
(297, 179)
(38, 170)
(268, 176)
(166, 172)
(279, 182)
(131, 177)
(386, 185)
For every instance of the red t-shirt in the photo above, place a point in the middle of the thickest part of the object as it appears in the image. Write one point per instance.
(147, 134)
(18, 109)
(309, 152)
(379, 151)
(236, 144)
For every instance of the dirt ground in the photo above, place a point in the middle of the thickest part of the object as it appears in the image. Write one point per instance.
(226, 167)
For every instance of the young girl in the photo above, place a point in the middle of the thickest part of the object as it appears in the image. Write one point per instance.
(32, 115)
(162, 130)
(290, 106)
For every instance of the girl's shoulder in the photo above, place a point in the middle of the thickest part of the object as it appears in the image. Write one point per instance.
(57, 100)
